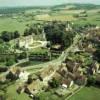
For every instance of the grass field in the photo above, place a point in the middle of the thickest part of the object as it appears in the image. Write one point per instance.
(9, 91)
(87, 93)
(9, 24)
(13, 95)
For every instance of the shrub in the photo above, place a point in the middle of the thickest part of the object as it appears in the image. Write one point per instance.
(10, 62)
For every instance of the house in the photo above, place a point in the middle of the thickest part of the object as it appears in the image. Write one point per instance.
(25, 41)
(63, 70)
(67, 83)
(13, 73)
(34, 87)
(46, 73)
(57, 76)
(71, 75)
(94, 68)
(23, 76)
(72, 66)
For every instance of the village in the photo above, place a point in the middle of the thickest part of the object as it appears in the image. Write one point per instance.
(49, 50)
(65, 75)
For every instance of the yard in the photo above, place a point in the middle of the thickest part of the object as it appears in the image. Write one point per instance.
(87, 93)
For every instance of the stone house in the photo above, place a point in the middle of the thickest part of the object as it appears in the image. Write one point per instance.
(46, 74)
(25, 41)
(33, 88)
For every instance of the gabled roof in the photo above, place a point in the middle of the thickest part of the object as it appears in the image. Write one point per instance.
(35, 85)
(46, 72)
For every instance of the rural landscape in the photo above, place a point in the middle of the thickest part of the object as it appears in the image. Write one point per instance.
(50, 52)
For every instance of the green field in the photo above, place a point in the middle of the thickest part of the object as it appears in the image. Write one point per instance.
(10, 24)
(10, 93)
(19, 23)
(87, 93)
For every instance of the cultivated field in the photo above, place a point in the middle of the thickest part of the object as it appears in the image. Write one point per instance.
(11, 24)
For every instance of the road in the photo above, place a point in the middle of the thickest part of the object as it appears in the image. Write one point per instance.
(58, 61)
(55, 62)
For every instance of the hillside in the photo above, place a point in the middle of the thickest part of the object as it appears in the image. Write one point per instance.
(77, 6)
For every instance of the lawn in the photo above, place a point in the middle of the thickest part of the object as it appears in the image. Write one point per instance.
(87, 93)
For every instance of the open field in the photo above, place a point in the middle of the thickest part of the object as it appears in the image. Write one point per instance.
(55, 17)
(11, 24)
(8, 24)
(87, 93)
(13, 95)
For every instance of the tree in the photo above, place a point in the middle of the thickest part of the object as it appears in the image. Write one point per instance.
(26, 32)
(56, 33)
(11, 76)
(1, 41)
(22, 55)
(6, 36)
(4, 48)
(30, 31)
(30, 80)
(16, 34)
(10, 62)
(91, 80)
(54, 83)
(97, 55)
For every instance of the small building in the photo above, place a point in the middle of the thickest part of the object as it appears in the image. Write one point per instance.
(66, 83)
(23, 76)
(33, 88)
(72, 66)
(47, 73)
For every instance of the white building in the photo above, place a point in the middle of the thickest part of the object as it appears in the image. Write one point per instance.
(25, 41)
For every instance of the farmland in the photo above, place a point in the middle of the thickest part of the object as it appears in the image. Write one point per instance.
(9, 24)
(21, 21)
(87, 93)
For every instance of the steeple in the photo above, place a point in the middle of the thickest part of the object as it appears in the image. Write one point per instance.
(44, 35)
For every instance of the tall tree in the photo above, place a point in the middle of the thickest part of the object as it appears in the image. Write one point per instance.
(6, 36)
(16, 34)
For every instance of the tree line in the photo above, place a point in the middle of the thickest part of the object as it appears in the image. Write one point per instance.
(7, 36)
